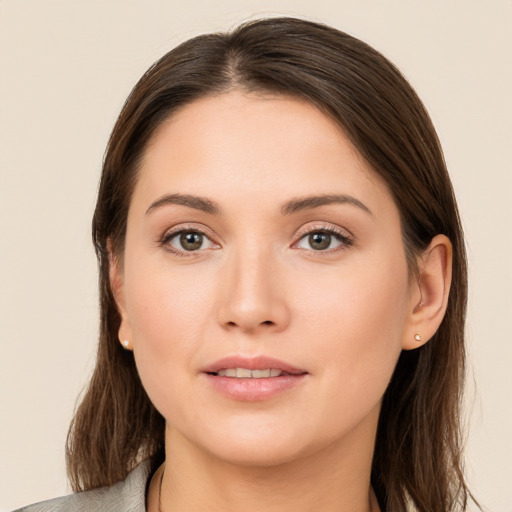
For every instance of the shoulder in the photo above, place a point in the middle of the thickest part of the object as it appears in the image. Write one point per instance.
(128, 496)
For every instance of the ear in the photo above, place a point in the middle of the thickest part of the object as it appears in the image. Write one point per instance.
(117, 286)
(429, 293)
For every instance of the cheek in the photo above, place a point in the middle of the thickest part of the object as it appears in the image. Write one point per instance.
(165, 304)
(169, 312)
(355, 322)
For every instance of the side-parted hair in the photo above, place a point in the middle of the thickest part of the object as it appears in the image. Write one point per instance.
(417, 463)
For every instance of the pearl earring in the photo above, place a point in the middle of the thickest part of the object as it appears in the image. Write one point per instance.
(417, 337)
(126, 344)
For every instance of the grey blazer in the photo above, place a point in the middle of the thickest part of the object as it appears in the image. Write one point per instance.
(126, 496)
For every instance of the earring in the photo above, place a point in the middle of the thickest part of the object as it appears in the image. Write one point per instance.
(417, 337)
(126, 344)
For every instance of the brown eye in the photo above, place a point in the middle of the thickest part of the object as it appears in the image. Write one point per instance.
(319, 241)
(323, 240)
(187, 241)
(191, 241)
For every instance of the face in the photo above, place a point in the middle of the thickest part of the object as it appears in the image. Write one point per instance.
(264, 287)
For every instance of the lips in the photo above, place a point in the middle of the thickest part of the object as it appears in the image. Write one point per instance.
(260, 363)
(252, 379)
(245, 373)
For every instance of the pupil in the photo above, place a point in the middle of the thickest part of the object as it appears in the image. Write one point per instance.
(191, 241)
(320, 241)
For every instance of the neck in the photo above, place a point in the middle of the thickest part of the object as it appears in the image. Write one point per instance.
(336, 478)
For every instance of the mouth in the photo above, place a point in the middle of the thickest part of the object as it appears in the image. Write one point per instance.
(253, 379)
(246, 373)
(254, 367)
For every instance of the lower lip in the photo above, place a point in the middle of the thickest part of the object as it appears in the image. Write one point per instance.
(254, 390)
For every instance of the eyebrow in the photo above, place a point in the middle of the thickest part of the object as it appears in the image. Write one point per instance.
(294, 205)
(305, 203)
(198, 203)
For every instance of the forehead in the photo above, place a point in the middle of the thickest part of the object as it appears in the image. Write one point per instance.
(258, 146)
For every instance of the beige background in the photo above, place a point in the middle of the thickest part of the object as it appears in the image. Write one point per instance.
(65, 70)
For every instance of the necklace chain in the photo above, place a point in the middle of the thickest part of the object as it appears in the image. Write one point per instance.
(160, 490)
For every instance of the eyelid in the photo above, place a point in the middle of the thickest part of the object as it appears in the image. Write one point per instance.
(169, 234)
(323, 226)
(343, 235)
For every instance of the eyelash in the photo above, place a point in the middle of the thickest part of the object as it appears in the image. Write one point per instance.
(341, 236)
(167, 237)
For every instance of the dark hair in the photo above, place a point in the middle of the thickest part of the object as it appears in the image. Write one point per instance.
(417, 462)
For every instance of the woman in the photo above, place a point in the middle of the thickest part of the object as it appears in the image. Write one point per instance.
(283, 288)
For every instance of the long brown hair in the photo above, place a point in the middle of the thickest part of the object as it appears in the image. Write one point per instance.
(417, 463)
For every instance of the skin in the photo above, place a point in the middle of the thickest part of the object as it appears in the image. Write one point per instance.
(257, 286)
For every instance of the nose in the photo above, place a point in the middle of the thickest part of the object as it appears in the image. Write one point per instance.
(253, 294)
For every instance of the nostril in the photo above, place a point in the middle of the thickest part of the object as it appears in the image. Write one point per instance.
(236, 324)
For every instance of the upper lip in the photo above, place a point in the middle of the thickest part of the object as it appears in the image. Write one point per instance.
(252, 363)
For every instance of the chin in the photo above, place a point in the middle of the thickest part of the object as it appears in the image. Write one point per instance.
(248, 442)
(256, 454)
(263, 445)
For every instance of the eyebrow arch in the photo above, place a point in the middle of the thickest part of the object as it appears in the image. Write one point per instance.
(198, 203)
(305, 203)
